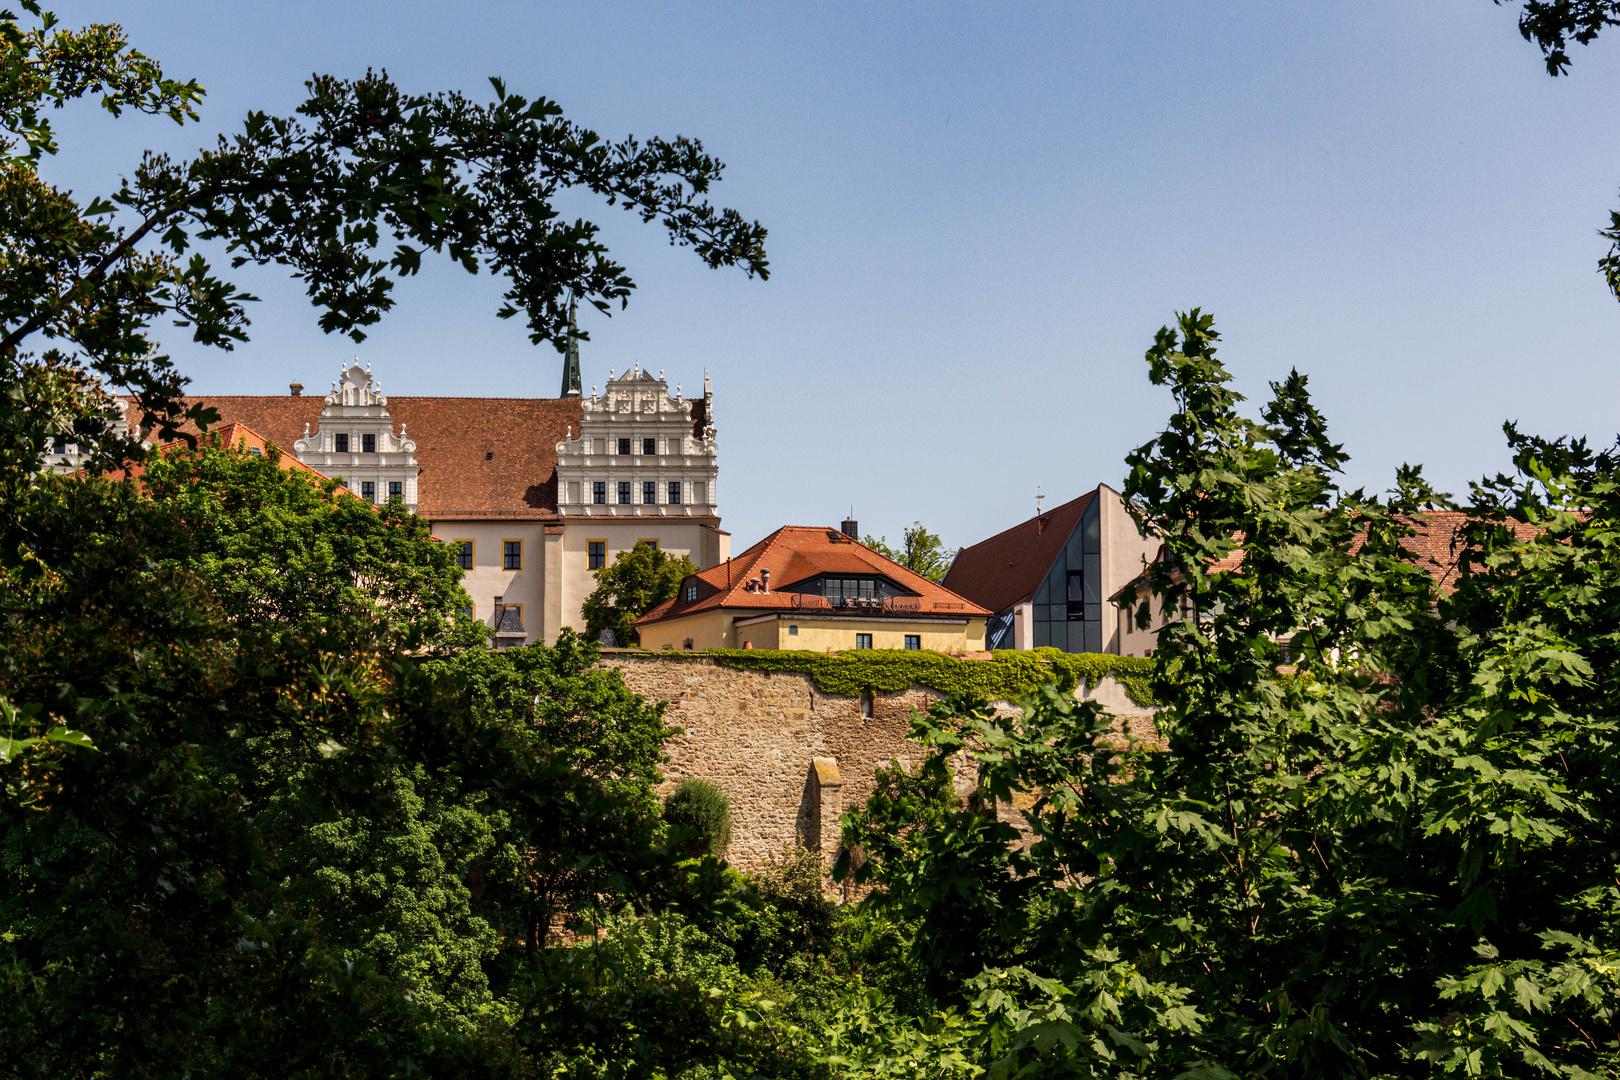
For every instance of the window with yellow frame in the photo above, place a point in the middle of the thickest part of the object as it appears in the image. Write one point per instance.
(651, 542)
(595, 554)
(465, 551)
(511, 554)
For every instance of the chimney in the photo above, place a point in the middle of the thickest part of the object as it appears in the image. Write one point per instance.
(765, 579)
(297, 389)
(850, 528)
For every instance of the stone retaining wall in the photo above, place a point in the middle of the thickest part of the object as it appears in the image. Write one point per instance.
(790, 757)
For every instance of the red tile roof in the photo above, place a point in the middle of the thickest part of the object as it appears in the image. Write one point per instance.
(796, 553)
(1007, 568)
(453, 435)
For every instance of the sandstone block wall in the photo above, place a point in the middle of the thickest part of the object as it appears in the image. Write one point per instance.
(791, 758)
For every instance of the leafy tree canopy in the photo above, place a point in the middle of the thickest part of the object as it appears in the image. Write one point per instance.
(356, 185)
(1396, 862)
(920, 551)
(637, 581)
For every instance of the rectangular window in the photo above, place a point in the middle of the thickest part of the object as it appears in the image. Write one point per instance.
(649, 447)
(464, 553)
(511, 555)
(1077, 596)
(573, 492)
(913, 641)
(599, 492)
(598, 446)
(396, 489)
(691, 595)
(340, 444)
(624, 493)
(595, 554)
(368, 491)
(793, 631)
(467, 611)
(649, 543)
(841, 589)
(624, 447)
(674, 493)
(863, 641)
(649, 492)
(700, 492)
(368, 444)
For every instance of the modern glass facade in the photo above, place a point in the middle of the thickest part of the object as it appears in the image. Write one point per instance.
(1068, 610)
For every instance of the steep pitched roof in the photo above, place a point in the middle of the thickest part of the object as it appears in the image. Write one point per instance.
(480, 457)
(1007, 568)
(796, 553)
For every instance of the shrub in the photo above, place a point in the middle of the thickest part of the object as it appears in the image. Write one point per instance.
(701, 813)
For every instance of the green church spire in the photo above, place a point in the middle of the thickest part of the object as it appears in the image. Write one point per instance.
(570, 383)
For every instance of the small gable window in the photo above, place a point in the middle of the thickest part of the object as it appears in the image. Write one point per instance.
(691, 595)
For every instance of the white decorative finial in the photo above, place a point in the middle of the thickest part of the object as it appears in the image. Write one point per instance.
(677, 389)
(660, 374)
(570, 434)
(593, 391)
(610, 374)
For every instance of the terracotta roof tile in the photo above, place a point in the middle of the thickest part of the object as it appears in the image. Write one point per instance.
(453, 435)
(1007, 568)
(796, 553)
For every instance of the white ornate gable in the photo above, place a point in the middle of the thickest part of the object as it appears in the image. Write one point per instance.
(637, 413)
(354, 438)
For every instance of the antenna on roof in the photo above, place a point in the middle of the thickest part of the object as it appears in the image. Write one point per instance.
(1038, 498)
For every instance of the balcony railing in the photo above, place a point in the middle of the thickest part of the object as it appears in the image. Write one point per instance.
(870, 605)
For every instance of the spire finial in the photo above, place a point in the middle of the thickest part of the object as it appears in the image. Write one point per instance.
(570, 379)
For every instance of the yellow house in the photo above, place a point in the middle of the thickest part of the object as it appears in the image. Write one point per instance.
(813, 588)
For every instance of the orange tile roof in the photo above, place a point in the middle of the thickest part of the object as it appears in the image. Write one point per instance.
(796, 553)
(453, 437)
(1007, 568)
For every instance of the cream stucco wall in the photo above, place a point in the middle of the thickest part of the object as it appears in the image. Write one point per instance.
(716, 629)
(487, 579)
(698, 540)
(555, 577)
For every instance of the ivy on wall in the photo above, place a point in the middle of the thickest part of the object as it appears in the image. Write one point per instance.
(1008, 675)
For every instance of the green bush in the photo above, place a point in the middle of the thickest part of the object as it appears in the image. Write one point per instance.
(701, 813)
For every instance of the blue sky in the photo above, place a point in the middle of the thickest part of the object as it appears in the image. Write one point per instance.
(979, 216)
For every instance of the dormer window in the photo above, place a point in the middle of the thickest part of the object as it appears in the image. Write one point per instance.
(691, 593)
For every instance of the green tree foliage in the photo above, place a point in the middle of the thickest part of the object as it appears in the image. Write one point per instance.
(920, 551)
(637, 581)
(1399, 864)
(299, 848)
(357, 184)
(699, 813)
(278, 547)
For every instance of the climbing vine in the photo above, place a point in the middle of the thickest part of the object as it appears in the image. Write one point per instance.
(1007, 676)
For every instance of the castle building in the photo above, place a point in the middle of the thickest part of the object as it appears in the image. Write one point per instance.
(533, 494)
